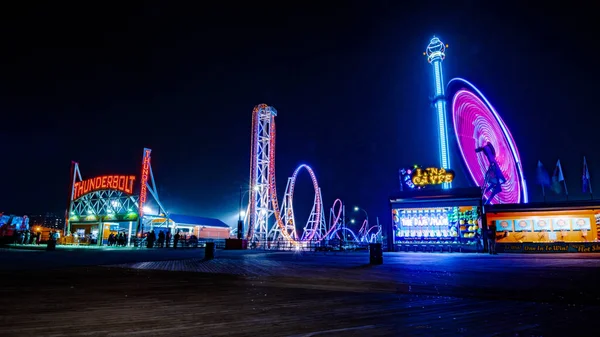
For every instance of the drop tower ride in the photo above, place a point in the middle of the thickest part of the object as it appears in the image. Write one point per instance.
(435, 55)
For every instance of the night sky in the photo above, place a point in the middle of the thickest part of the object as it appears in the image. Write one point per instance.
(96, 83)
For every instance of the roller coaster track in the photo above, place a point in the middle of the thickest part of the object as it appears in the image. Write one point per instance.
(263, 151)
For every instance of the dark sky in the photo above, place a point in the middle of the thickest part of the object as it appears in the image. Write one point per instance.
(98, 82)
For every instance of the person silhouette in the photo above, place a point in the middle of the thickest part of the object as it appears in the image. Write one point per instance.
(494, 178)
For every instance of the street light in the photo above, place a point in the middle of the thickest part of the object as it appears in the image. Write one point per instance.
(356, 209)
(351, 220)
(240, 226)
(241, 212)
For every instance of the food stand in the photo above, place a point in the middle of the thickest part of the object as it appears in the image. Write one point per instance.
(436, 220)
(564, 227)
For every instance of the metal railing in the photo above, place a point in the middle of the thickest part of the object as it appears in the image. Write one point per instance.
(326, 245)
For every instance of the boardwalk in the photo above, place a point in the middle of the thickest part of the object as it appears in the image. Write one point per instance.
(284, 294)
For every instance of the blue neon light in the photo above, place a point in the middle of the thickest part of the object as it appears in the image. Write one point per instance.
(435, 55)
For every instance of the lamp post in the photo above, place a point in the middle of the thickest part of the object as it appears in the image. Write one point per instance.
(240, 228)
(343, 238)
(241, 213)
(356, 209)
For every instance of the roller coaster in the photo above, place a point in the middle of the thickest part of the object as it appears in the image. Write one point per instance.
(263, 204)
(339, 231)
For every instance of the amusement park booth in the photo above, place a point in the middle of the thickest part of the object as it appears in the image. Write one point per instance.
(187, 225)
(565, 227)
(436, 220)
(95, 229)
(110, 204)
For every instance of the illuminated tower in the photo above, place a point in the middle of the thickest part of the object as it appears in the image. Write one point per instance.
(435, 56)
(262, 172)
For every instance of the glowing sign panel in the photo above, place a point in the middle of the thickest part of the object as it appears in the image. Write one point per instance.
(145, 174)
(114, 182)
(431, 176)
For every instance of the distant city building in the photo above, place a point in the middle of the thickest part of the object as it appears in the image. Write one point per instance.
(48, 220)
(51, 220)
(36, 220)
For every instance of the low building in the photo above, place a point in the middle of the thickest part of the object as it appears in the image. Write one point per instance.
(436, 220)
(201, 227)
(558, 227)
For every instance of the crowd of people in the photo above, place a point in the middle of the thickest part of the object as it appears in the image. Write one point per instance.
(150, 239)
(118, 240)
(27, 237)
(164, 239)
(153, 239)
(30, 237)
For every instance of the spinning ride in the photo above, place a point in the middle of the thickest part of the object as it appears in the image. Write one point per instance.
(486, 145)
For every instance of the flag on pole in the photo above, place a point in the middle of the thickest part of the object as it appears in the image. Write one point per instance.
(587, 186)
(557, 178)
(543, 178)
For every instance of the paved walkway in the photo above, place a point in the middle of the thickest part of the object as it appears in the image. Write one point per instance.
(282, 294)
(507, 276)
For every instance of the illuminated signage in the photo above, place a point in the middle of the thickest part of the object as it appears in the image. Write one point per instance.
(431, 176)
(145, 174)
(112, 182)
(405, 178)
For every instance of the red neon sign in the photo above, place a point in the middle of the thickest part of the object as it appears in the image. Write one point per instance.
(112, 182)
(145, 175)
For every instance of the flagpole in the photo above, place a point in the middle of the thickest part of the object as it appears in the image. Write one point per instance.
(561, 177)
(542, 178)
(589, 180)
(544, 193)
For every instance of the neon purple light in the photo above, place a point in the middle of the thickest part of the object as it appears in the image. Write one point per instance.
(475, 123)
(313, 177)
